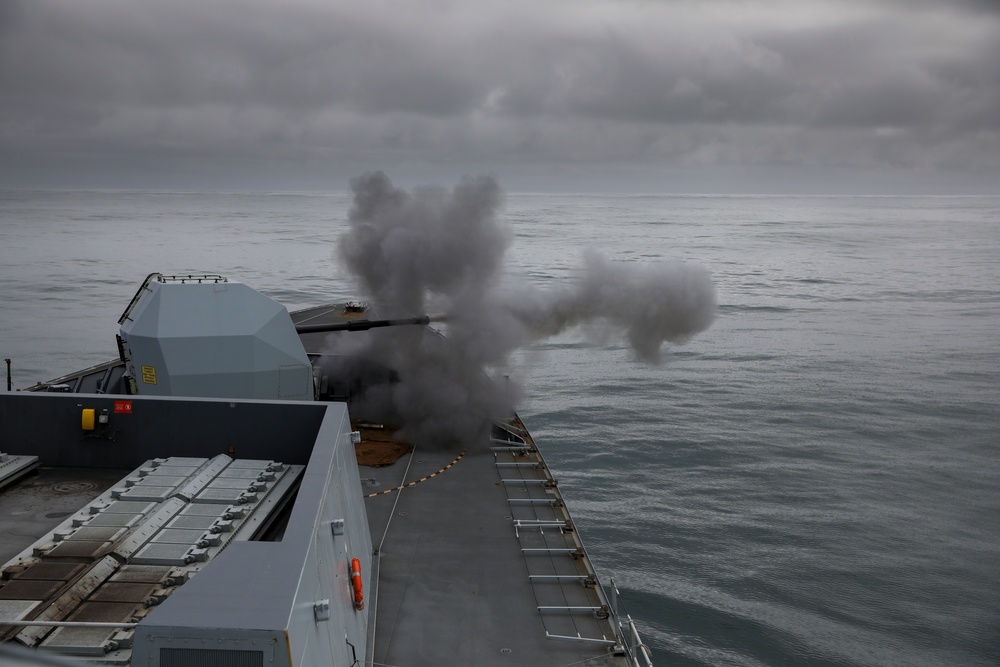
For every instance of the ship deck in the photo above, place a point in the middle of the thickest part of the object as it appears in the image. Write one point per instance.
(43, 498)
(476, 557)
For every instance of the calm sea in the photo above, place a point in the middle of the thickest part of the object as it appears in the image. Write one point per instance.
(815, 480)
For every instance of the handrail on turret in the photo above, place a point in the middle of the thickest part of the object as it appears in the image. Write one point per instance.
(138, 293)
(160, 278)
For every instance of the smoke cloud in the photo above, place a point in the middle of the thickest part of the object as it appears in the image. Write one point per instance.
(444, 249)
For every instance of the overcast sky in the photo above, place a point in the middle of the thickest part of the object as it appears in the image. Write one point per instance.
(715, 96)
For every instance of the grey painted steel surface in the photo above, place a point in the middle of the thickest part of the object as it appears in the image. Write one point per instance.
(251, 596)
(14, 467)
(262, 595)
(452, 582)
(213, 338)
(453, 585)
(47, 425)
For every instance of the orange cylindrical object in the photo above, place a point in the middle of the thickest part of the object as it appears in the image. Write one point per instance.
(359, 594)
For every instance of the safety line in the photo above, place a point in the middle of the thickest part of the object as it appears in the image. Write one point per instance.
(422, 479)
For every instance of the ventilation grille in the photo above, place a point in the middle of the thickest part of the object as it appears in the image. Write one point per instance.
(206, 657)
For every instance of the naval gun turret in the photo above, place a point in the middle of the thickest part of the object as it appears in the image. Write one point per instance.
(210, 336)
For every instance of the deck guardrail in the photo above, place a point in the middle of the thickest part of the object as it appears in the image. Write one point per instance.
(625, 628)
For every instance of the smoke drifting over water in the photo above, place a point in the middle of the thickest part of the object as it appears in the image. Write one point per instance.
(446, 249)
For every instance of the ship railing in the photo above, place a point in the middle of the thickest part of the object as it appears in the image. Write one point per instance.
(160, 278)
(138, 293)
(625, 629)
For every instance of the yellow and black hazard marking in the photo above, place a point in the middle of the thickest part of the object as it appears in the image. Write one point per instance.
(415, 482)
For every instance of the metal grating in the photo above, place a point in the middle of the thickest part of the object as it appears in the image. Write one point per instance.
(50, 571)
(128, 507)
(15, 610)
(162, 554)
(201, 523)
(144, 492)
(156, 546)
(92, 642)
(173, 471)
(26, 589)
(205, 657)
(89, 549)
(219, 496)
(111, 519)
(149, 574)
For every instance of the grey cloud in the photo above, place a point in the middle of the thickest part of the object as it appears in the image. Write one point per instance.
(879, 75)
(498, 85)
(180, 54)
(870, 74)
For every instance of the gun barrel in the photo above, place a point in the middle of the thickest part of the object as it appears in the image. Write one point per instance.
(360, 325)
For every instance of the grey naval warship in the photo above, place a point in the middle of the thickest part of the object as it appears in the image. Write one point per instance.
(209, 498)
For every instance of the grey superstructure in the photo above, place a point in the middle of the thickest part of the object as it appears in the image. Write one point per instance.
(176, 507)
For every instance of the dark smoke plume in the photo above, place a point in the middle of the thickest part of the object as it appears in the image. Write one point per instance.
(441, 249)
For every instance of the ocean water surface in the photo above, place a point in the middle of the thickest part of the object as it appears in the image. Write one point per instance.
(815, 480)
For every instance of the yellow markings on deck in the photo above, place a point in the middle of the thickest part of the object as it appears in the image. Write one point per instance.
(422, 479)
